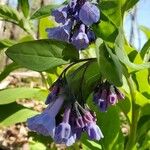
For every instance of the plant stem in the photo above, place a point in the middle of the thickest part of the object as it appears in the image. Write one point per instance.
(135, 116)
(44, 80)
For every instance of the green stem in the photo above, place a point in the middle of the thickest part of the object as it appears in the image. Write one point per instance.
(135, 116)
(44, 80)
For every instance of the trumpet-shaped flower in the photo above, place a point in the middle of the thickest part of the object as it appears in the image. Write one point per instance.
(45, 122)
(93, 131)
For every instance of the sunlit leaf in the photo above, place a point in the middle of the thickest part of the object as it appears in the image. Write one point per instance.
(6, 43)
(24, 7)
(41, 55)
(9, 14)
(8, 69)
(120, 52)
(11, 95)
(109, 64)
(14, 113)
(146, 30)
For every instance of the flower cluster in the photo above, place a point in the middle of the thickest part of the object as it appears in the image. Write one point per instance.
(75, 19)
(106, 94)
(65, 121)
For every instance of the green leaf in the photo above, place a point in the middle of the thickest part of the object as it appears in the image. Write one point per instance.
(109, 124)
(112, 10)
(145, 49)
(44, 11)
(90, 144)
(9, 14)
(8, 69)
(120, 52)
(143, 126)
(110, 20)
(110, 67)
(129, 4)
(11, 95)
(39, 142)
(141, 100)
(14, 113)
(41, 55)
(24, 4)
(145, 110)
(146, 30)
(37, 146)
(142, 83)
(6, 43)
(83, 79)
(106, 29)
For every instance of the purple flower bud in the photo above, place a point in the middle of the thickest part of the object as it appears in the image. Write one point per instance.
(63, 130)
(94, 131)
(88, 117)
(96, 97)
(91, 35)
(60, 14)
(89, 14)
(112, 98)
(102, 102)
(80, 39)
(60, 33)
(45, 122)
(80, 122)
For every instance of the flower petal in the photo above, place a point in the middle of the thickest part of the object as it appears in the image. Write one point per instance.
(89, 14)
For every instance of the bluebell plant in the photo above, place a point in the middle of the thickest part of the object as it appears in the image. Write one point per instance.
(66, 118)
(75, 21)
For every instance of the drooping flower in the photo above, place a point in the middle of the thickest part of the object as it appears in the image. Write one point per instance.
(112, 98)
(60, 14)
(89, 14)
(80, 12)
(106, 95)
(63, 130)
(60, 33)
(93, 131)
(45, 122)
(80, 39)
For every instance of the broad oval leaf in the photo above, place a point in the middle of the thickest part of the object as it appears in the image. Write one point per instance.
(14, 113)
(41, 55)
(109, 64)
(11, 95)
(83, 79)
